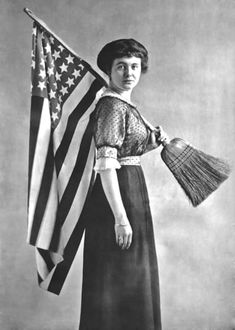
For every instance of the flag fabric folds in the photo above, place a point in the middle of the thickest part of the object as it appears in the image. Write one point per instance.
(61, 154)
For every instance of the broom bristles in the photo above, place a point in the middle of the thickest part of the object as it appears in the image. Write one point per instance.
(198, 173)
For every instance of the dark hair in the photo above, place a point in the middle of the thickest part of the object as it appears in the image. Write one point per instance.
(121, 48)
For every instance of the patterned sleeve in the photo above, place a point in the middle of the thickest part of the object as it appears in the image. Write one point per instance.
(109, 132)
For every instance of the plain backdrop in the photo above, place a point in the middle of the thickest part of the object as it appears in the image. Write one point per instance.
(190, 91)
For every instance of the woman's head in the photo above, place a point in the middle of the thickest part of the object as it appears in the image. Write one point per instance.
(121, 48)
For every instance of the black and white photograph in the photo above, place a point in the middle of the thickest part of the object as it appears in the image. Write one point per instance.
(117, 157)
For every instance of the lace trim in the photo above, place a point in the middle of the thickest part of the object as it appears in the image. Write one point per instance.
(106, 152)
(130, 160)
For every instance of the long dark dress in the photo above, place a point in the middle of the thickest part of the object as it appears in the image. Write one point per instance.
(120, 287)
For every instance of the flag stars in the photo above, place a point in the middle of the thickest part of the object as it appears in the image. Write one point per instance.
(48, 48)
(57, 76)
(52, 39)
(54, 116)
(50, 71)
(58, 108)
(42, 74)
(70, 59)
(33, 64)
(64, 90)
(63, 68)
(81, 66)
(42, 62)
(56, 54)
(35, 31)
(61, 48)
(52, 94)
(76, 73)
(41, 85)
(70, 82)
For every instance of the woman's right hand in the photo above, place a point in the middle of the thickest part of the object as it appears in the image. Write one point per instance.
(123, 233)
(123, 230)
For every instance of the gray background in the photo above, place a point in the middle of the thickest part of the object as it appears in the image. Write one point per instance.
(190, 91)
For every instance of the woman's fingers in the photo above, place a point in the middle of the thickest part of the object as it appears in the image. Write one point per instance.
(162, 136)
(123, 236)
(129, 241)
(125, 239)
(120, 241)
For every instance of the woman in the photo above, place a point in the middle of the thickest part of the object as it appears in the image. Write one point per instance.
(120, 276)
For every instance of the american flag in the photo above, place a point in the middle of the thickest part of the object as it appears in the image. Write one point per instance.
(61, 154)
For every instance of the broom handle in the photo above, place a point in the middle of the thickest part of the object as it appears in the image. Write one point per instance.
(156, 130)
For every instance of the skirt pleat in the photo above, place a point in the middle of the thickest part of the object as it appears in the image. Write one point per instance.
(120, 289)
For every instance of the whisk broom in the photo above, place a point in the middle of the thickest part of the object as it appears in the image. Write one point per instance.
(198, 173)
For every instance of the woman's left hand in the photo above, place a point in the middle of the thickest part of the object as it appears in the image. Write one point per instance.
(157, 137)
(161, 136)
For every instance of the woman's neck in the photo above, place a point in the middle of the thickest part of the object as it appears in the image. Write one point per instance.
(124, 94)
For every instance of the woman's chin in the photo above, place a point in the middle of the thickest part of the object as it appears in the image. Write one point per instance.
(128, 86)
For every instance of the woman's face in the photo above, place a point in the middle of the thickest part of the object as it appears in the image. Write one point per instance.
(125, 73)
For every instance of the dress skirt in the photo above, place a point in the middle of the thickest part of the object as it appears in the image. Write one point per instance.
(120, 289)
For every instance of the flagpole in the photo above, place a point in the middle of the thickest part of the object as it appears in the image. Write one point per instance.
(45, 27)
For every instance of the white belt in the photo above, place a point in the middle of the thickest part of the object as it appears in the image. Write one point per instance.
(130, 160)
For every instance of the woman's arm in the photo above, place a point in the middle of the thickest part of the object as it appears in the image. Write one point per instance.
(123, 229)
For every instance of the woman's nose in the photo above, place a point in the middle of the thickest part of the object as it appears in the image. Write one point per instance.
(128, 71)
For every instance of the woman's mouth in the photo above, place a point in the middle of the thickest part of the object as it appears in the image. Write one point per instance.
(128, 81)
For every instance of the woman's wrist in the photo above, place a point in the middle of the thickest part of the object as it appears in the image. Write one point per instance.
(121, 220)
(121, 224)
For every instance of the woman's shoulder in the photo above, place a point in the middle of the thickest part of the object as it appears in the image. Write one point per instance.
(111, 101)
(117, 99)
(108, 104)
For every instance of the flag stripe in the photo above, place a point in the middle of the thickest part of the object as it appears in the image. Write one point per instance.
(79, 199)
(71, 156)
(47, 227)
(46, 257)
(74, 181)
(40, 279)
(43, 194)
(40, 155)
(72, 123)
(35, 117)
(62, 269)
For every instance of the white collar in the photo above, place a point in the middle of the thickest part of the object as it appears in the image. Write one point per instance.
(110, 92)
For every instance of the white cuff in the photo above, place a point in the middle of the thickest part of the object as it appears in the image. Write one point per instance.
(106, 163)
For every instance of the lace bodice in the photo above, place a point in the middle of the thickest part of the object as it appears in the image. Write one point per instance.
(119, 130)
(119, 125)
